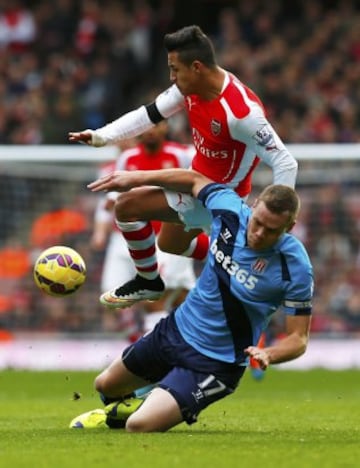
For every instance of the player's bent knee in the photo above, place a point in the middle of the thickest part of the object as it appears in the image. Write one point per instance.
(159, 413)
(99, 383)
(125, 208)
(104, 382)
(139, 422)
(136, 423)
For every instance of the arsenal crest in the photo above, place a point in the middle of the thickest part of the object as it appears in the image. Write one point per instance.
(215, 127)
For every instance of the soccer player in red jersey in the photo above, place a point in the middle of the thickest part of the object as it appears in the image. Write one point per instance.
(231, 134)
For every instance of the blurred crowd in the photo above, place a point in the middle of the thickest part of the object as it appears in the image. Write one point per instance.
(329, 226)
(55, 209)
(69, 65)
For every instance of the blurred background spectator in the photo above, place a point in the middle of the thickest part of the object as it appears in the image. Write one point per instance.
(68, 65)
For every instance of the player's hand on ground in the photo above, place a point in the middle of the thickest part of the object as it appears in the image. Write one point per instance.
(260, 355)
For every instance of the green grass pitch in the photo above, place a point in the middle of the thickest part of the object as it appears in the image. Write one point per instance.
(290, 419)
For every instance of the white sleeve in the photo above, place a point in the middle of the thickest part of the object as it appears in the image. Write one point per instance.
(136, 122)
(262, 139)
(128, 125)
(170, 101)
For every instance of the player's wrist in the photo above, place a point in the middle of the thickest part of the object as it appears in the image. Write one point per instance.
(269, 355)
(97, 140)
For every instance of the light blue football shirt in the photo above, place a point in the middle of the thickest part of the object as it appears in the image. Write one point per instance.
(240, 288)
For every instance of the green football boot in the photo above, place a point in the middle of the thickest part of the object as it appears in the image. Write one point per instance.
(93, 419)
(118, 412)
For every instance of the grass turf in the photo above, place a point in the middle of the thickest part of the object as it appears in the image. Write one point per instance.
(290, 419)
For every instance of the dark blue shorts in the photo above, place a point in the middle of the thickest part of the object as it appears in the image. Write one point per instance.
(193, 379)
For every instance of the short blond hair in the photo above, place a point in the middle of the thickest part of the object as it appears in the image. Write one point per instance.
(280, 199)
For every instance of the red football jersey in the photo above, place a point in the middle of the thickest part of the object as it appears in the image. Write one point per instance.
(220, 154)
(170, 155)
(230, 133)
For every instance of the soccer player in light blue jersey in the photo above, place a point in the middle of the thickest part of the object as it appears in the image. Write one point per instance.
(199, 353)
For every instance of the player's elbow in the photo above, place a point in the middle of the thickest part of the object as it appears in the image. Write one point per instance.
(293, 165)
(301, 344)
(285, 170)
(302, 349)
(126, 208)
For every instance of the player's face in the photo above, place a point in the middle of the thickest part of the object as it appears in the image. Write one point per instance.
(265, 227)
(186, 77)
(153, 138)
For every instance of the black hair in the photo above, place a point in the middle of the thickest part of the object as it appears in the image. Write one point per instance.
(191, 43)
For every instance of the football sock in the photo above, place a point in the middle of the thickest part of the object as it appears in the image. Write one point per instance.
(140, 238)
(143, 392)
(198, 248)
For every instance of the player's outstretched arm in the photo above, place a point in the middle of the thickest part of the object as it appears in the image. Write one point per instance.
(127, 126)
(133, 123)
(182, 180)
(288, 348)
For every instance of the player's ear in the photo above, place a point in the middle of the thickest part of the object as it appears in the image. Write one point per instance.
(196, 66)
(255, 203)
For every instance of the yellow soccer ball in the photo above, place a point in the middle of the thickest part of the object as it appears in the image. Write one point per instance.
(59, 271)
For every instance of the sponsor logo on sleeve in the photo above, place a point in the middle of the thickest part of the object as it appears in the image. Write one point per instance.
(264, 137)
